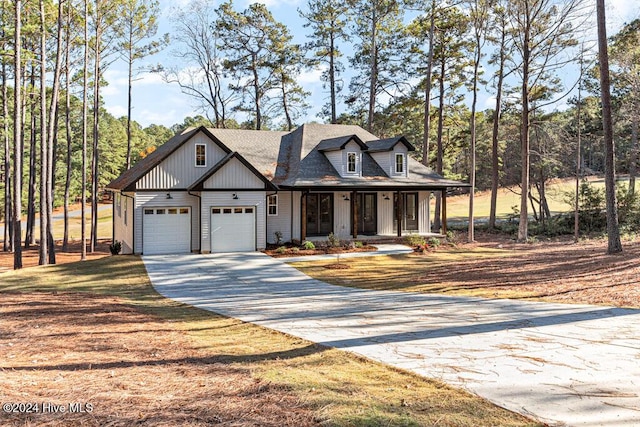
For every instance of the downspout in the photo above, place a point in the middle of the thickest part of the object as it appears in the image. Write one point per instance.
(199, 222)
(291, 216)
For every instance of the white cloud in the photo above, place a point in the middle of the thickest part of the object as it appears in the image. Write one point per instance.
(310, 77)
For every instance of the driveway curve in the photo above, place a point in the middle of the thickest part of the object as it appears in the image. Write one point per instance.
(576, 365)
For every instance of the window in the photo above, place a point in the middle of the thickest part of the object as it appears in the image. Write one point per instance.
(351, 162)
(399, 163)
(201, 155)
(248, 210)
(172, 211)
(272, 205)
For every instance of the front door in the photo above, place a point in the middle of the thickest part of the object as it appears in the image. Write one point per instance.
(409, 215)
(367, 208)
(319, 214)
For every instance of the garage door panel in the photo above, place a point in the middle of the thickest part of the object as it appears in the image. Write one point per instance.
(233, 229)
(166, 230)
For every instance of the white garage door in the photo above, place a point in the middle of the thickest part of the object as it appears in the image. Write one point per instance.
(233, 229)
(166, 230)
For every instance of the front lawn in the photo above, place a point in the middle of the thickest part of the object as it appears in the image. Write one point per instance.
(97, 333)
(558, 271)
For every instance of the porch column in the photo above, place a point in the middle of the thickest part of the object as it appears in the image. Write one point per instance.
(399, 212)
(444, 211)
(355, 214)
(303, 217)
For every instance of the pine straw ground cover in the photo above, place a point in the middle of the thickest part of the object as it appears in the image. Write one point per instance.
(556, 271)
(96, 333)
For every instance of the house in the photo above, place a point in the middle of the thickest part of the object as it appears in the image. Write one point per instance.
(224, 190)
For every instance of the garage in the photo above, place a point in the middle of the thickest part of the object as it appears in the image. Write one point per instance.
(166, 230)
(233, 229)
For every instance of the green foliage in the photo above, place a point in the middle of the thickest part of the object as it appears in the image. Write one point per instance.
(414, 240)
(358, 245)
(434, 242)
(333, 241)
(308, 245)
(281, 250)
(115, 248)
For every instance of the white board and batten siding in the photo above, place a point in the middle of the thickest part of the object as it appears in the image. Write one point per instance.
(338, 159)
(282, 221)
(179, 170)
(123, 221)
(234, 175)
(385, 214)
(342, 215)
(424, 214)
(387, 160)
(159, 200)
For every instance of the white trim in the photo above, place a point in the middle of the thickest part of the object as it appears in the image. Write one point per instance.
(269, 204)
(196, 155)
(395, 163)
(355, 162)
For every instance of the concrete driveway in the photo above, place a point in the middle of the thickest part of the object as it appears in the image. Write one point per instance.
(562, 364)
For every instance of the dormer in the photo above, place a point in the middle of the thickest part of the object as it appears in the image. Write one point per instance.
(392, 155)
(344, 154)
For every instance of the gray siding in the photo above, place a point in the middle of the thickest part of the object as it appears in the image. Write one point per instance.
(225, 198)
(282, 221)
(387, 160)
(159, 199)
(234, 175)
(123, 222)
(179, 169)
(339, 159)
(296, 220)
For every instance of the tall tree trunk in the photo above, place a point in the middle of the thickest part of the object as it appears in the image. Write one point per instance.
(130, 86)
(523, 227)
(285, 106)
(85, 102)
(495, 134)
(52, 132)
(8, 225)
(44, 148)
(374, 72)
(67, 117)
(633, 161)
(96, 135)
(427, 90)
(613, 231)
(332, 78)
(576, 213)
(29, 238)
(440, 145)
(17, 140)
(256, 91)
(472, 126)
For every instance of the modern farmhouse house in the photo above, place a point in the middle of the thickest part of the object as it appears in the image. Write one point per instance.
(222, 190)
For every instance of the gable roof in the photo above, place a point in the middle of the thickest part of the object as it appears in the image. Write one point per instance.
(199, 184)
(388, 144)
(128, 179)
(296, 159)
(334, 144)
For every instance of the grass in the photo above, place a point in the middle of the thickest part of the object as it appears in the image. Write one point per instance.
(407, 272)
(341, 389)
(458, 206)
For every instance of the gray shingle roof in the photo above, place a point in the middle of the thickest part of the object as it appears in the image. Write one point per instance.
(296, 159)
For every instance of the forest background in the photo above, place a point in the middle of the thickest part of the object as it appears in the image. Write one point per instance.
(513, 88)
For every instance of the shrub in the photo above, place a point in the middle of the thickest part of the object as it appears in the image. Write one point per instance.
(309, 245)
(281, 250)
(333, 240)
(414, 240)
(278, 235)
(295, 249)
(434, 242)
(358, 245)
(115, 248)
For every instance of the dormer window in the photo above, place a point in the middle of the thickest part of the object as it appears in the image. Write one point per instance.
(352, 162)
(201, 155)
(399, 163)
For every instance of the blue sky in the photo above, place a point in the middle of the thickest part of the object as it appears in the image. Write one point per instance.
(155, 101)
